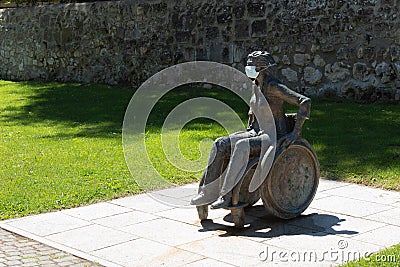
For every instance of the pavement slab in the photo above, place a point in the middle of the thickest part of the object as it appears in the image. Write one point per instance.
(365, 193)
(92, 237)
(49, 223)
(390, 216)
(348, 206)
(144, 252)
(162, 229)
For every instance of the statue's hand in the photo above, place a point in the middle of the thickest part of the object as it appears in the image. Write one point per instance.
(287, 140)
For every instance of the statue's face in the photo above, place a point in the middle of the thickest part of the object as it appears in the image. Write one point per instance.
(254, 68)
(253, 62)
(252, 71)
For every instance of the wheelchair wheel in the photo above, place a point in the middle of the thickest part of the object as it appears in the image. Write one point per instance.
(292, 181)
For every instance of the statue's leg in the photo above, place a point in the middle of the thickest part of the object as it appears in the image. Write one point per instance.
(220, 150)
(237, 165)
(211, 181)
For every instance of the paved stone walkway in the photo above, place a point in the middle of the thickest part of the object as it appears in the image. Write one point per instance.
(16, 250)
(344, 222)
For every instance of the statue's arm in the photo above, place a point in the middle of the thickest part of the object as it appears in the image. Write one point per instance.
(299, 100)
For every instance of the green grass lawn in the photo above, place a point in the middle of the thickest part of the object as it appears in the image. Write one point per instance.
(60, 146)
(61, 143)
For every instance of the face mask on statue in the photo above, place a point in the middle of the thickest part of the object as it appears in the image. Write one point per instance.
(251, 72)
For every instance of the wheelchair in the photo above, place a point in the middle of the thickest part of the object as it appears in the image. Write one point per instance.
(288, 189)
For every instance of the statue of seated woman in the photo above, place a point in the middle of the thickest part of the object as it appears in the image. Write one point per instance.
(230, 154)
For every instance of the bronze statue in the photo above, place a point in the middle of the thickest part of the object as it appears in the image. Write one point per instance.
(229, 157)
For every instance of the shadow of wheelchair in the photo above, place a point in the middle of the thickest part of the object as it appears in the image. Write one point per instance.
(263, 226)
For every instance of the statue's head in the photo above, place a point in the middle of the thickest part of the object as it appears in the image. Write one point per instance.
(260, 62)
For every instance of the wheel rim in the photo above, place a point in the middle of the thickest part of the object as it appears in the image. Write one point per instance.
(293, 180)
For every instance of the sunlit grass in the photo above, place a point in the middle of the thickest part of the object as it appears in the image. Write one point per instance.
(60, 147)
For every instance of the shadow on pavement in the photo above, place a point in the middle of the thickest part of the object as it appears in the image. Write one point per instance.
(260, 225)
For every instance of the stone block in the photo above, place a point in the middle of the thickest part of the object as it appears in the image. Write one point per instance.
(242, 29)
(315, 48)
(224, 15)
(396, 67)
(312, 75)
(290, 74)
(302, 59)
(385, 71)
(361, 91)
(212, 33)
(238, 11)
(259, 27)
(286, 60)
(360, 71)
(256, 9)
(336, 72)
(319, 61)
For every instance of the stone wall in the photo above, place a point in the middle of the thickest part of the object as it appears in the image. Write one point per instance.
(323, 47)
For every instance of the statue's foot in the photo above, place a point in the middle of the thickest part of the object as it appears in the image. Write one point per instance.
(201, 199)
(222, 202)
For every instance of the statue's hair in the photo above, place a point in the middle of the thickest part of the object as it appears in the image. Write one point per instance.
(261, 58)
